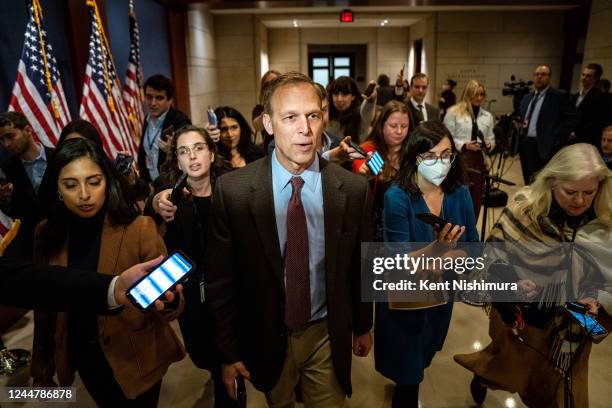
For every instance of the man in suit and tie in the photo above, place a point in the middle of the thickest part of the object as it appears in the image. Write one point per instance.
(418, 109)
(591, 104)
(161, 121)
(283, 280)
(24, 170)
(548, 118)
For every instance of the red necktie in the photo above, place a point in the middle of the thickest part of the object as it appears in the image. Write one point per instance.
(297, 273)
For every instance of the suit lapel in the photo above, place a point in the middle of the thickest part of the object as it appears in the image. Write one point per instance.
(110, 245)
(334, 202)
(261, 205)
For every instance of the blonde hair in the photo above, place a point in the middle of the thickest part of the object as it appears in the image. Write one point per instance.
(572, 163)
(464, 106)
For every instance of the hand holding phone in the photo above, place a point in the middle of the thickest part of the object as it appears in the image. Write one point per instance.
(151, 287)
(369, 89)
(241, 396)
(578, 313)
(167, 133)
(177, 190)
(432, 220)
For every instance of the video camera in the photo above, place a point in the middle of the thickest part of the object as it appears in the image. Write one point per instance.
(517, 89)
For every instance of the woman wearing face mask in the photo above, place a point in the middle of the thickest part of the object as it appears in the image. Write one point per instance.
(389, 137)
(556, 235)
(349, 113)
(93, 225)
(236, 143)
(186, 223)
(472, 129)
(429, 181)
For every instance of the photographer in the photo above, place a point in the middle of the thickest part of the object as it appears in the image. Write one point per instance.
(472, 130)
(546, 119)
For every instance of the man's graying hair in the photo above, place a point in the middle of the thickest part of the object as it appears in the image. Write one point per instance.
(289, 78)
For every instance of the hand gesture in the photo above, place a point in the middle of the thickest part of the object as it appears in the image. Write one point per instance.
(163, 206)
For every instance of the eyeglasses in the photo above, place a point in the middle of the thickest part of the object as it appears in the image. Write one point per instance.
(431, 158)
(195, 148)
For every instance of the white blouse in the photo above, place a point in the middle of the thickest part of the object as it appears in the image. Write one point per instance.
(461, 127)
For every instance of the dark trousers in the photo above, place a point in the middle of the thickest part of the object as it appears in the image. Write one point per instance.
(530, 159)
(97, 377)
(474, 160)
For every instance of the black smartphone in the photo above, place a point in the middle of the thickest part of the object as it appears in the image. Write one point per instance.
(174, 269)
(167, 132)
(369, 89)
(431, 219)
(241, 396)
(588, 322)
(358, 148)
(123, 163)
(177, 190)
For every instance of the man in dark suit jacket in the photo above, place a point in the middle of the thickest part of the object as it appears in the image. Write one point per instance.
(23, 170)
(418, 109)
(591, 104)
(548, 119)
(161, 121)
(283, 279)
(55, 288)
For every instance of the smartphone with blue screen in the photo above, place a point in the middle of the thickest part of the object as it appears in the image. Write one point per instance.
(376, 163)
(173, 270)
(587, 321)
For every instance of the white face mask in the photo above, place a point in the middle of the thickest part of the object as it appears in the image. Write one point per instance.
(434, 173)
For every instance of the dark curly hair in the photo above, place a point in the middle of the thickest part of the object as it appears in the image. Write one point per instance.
(422, 139)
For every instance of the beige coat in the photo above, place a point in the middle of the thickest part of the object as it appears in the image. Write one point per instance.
(138, 346)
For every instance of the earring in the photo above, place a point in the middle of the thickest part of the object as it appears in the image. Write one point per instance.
(60, 196)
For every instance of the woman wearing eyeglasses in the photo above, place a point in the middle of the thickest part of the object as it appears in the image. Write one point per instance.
(186, 222)
(472, 129)
(409, 334)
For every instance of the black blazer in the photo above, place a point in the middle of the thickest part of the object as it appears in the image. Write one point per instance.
(174, 118)
(245, 282)
(555, 122)
(592, 117)
(433, 115)
(52, 288)
(23, 205)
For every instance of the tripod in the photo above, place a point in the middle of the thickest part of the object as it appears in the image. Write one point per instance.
(488, 179)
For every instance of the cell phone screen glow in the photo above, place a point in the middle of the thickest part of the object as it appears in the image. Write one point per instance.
(588, 322)
(160, 280)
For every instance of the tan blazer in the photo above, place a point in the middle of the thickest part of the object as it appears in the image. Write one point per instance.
(138, 346)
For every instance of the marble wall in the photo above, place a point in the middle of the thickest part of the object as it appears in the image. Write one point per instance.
(598, 45)
(202, 62)
(491, 46)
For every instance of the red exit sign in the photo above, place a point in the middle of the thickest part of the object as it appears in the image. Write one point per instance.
(346, 16)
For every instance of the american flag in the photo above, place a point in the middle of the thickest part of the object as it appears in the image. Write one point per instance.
(132, 87)
(38, 91)
(102, 103)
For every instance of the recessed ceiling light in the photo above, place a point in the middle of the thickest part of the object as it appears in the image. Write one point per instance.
(295, 23)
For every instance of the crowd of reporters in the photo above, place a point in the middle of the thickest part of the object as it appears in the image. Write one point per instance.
(80, 209)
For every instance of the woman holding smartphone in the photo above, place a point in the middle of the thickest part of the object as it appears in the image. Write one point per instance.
(389, 138)
(472, 129)
(186, 222)
(93, 225)
(534, 346)
(429, 181)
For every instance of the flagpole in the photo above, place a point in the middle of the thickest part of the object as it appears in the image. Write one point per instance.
(37, 17)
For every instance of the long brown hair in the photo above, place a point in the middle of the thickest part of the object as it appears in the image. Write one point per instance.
(377, 137)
